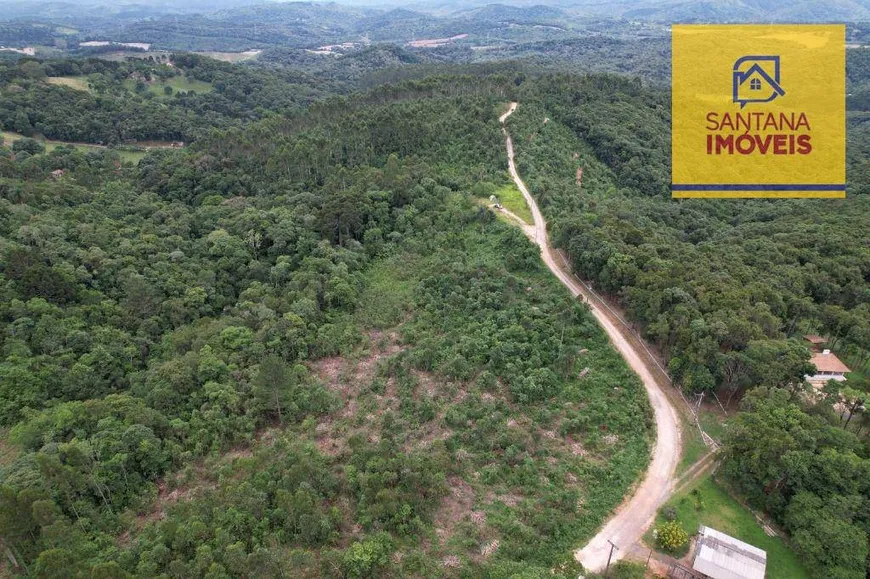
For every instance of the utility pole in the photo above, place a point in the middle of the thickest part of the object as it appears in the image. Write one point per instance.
(610, 556)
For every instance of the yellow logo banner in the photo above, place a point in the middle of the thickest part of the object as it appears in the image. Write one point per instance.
(759, 111)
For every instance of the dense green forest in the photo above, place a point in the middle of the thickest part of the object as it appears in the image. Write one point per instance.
(810, 473)
(722, 288)
(113, 102)
(301, 344)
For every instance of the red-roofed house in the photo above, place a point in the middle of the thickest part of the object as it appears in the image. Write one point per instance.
(828, 367)
(815, 341)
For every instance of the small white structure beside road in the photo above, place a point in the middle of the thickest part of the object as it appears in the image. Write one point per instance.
(720, 556)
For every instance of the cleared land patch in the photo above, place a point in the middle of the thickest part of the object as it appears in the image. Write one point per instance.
(513, 200)
(132, 156)
(232, 56)
(76, 82)
(177, 83)
(475, 420)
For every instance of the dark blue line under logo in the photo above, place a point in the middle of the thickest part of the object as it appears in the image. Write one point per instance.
(759, 187)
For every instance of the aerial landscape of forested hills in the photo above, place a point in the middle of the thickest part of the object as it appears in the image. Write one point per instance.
(266, 309)
(625, 38)
(328, 304)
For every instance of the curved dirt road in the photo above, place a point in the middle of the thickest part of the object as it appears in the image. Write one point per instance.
(635, 515)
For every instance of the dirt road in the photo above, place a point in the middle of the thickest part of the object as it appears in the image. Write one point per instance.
(635, 515)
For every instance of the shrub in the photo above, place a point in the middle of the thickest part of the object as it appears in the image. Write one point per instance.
(699, 500)
(31, 146)
(361, 559)
(671, 536)
(669, 513)
(627, 570)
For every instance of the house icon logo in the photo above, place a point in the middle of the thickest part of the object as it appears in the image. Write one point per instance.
(756, 80)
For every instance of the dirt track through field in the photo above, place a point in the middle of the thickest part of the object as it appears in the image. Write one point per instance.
(635, 515)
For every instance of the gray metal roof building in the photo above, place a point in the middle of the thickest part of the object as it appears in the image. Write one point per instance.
(720, 556)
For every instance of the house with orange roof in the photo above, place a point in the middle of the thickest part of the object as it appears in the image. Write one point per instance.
(828, 367)
(815, 341)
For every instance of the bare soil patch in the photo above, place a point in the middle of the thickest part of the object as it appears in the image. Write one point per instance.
(455, 507)
(435, 42)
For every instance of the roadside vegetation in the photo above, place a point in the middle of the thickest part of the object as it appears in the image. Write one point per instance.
(697, 279)
(695, 276)
(513, 200)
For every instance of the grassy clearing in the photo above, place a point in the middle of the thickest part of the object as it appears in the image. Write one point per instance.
(52, 145)
(10, 137)
(513, 200)
(714, 423)
(75, 82)
(693, 447)
(232, 57)
(388, 294)
(707, 503)
(131, 156)
(178, 84)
